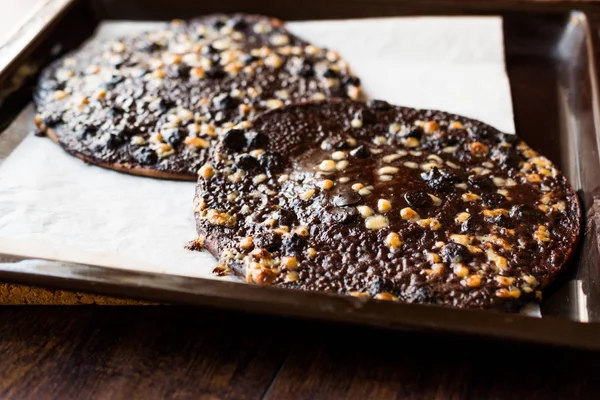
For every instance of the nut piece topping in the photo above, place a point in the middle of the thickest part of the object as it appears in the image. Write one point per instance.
(326, 184)
(455, 125)
(327, 166)
(505, 280)
(409, 214)
(246, 243)
(259, 179)
(365, 211)
(393, 240)
(430, 126)
(339, 155)
(342, 165)
(510, 292)
(542, 235)
(467, 197)
(430, 223)
(308, 194)
(290, 263)
(473, 281)
(384, 205)
(388, 170)
(462, 217)
(479, 149)
(460, 270)
(376, 222)
(311, 252)
(385, 296)
(206, 171)
(215, 217)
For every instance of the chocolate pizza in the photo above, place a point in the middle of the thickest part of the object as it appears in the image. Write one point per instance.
(386, 202)
(155, 104)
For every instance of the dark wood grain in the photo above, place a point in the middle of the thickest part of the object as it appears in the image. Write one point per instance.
(135, 353)
(353, 364)
(156, 352)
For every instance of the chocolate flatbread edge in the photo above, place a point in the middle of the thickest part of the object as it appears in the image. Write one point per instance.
(120, 167)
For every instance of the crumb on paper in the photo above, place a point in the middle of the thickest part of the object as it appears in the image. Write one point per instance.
(220, 270)
(195, 245)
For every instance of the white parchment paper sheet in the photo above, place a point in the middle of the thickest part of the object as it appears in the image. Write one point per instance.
(52, 205)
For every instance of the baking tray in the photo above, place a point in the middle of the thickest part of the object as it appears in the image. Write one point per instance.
(551, 56)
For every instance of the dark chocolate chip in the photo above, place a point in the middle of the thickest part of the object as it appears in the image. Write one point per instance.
(439, 180)
(329, 73)
(501, 220)
(478, 133)
(86, 131)
(268, 240)
(451, 140)
(472, 225)
(225, 102)
(418, 199)
(366, 116)
(114, 112)
(161, 105)
(286, 217)
(174, 136)
(216, 73)
(114, 81)
(304, 68)
(237, 23)
(416, 132)
(53, 84)
(507, 157)
(150, 47)
(118, 62)
(218, 24)
(181, 71)
(145, 156)
(271, 162)
(234, 140)
(526, 213)
(347, 198)
(379, 105)
(247, 162)
(481, 182)
(209, 49)
(352, 80)
(360, 152)
(248, 58)
(258, 140)
(340, 215)
(336, 143)
(294, 243)
(492, 199)
(113, 142)
(455, 253)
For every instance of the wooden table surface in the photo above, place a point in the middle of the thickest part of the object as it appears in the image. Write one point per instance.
(153, 352)
(110, 350)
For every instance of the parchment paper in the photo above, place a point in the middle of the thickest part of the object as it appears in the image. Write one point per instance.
(55, 206)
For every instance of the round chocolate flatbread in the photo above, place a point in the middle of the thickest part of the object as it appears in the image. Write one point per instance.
(155, 103)
(388, 202)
